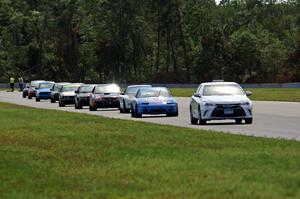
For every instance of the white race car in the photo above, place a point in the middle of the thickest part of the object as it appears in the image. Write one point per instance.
(219, 101)
(126, 97)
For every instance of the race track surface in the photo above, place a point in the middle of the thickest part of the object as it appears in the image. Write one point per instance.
(271, 119)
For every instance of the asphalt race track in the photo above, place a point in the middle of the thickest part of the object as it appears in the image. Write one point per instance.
(271, 119)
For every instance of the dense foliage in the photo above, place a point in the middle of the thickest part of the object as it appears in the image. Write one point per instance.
(168, 41)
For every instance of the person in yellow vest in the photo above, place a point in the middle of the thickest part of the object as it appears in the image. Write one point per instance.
(21, 83)
(12, 83)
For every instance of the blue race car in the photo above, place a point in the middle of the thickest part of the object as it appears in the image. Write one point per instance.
(43, 91)
(153, 100)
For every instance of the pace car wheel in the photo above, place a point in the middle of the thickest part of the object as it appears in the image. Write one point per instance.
(193, 120)
(24, 95)
(37, 99)
(201, 121)
(29, 97)
(249, 121)
(126, 110)
(52, 100)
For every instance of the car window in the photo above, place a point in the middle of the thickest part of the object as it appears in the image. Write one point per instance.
(45, 85)
(145, 93)
(107, 89)
(134, 90)
(69, 88)
(211, 90)
(86, 89)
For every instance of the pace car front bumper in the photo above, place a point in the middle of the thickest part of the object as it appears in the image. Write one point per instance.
(227, 111)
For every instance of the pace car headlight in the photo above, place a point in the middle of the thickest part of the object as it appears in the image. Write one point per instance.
(245, 104)
(210, 104)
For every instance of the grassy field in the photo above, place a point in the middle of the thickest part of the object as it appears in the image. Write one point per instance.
(52, 154)
(264, 94)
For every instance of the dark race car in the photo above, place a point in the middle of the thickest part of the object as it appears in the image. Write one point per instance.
(67, 94)
(25, 90)
(56, 89)
(82, 95)
(105, 96)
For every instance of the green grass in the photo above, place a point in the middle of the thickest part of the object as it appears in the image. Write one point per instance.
(264, 94)
(53, 154)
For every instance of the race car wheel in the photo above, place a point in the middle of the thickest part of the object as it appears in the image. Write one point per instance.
(249, 121)
(92, 108)
(52, 100)
(137, 113)
(126, 110)
(132, 112)
(61, 103)
(193, 120)
(238, 121)
(24, 96)
(29, 97)
(37, 99)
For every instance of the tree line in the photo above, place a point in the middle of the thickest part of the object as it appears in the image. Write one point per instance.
(165, 41)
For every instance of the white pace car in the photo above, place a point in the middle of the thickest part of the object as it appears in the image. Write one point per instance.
(126, 97)
(219, 101)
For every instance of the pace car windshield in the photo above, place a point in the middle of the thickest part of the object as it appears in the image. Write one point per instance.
(107, 89)
(211, 90)
(145, 93)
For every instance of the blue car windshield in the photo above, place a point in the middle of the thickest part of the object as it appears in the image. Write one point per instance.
(226, 89)
(46, 85)
(134, 90)
(145, 93)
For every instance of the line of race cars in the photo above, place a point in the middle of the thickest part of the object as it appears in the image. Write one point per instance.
(212, 101)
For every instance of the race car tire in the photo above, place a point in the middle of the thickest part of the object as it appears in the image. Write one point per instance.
(249, 121)
(193, 120)
(238, 121)
(37, 99)
(201, 121)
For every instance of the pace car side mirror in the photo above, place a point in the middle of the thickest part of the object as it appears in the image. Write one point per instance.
(122, 93)
(197, 95)
(76, 92)
(248, 93)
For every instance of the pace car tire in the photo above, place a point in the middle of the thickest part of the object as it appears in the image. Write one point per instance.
(52, 100)
(24, 96)
(201, 121)
(29, 97)
(92, 108)
(193, 120)
(249, 121)
(37, 99)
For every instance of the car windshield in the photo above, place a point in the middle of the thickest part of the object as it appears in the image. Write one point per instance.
(86, 89)
(69, 88)
(45, 85)
(210, 90)
(134, 90)
(35, 84)
(145, 93)
(107, 89)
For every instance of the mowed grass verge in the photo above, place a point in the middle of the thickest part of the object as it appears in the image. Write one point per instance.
(262, 94)
(53, 154)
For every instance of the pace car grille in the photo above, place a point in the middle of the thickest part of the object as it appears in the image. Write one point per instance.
(238, 111)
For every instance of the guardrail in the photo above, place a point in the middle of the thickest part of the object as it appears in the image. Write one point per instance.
(266, 85)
